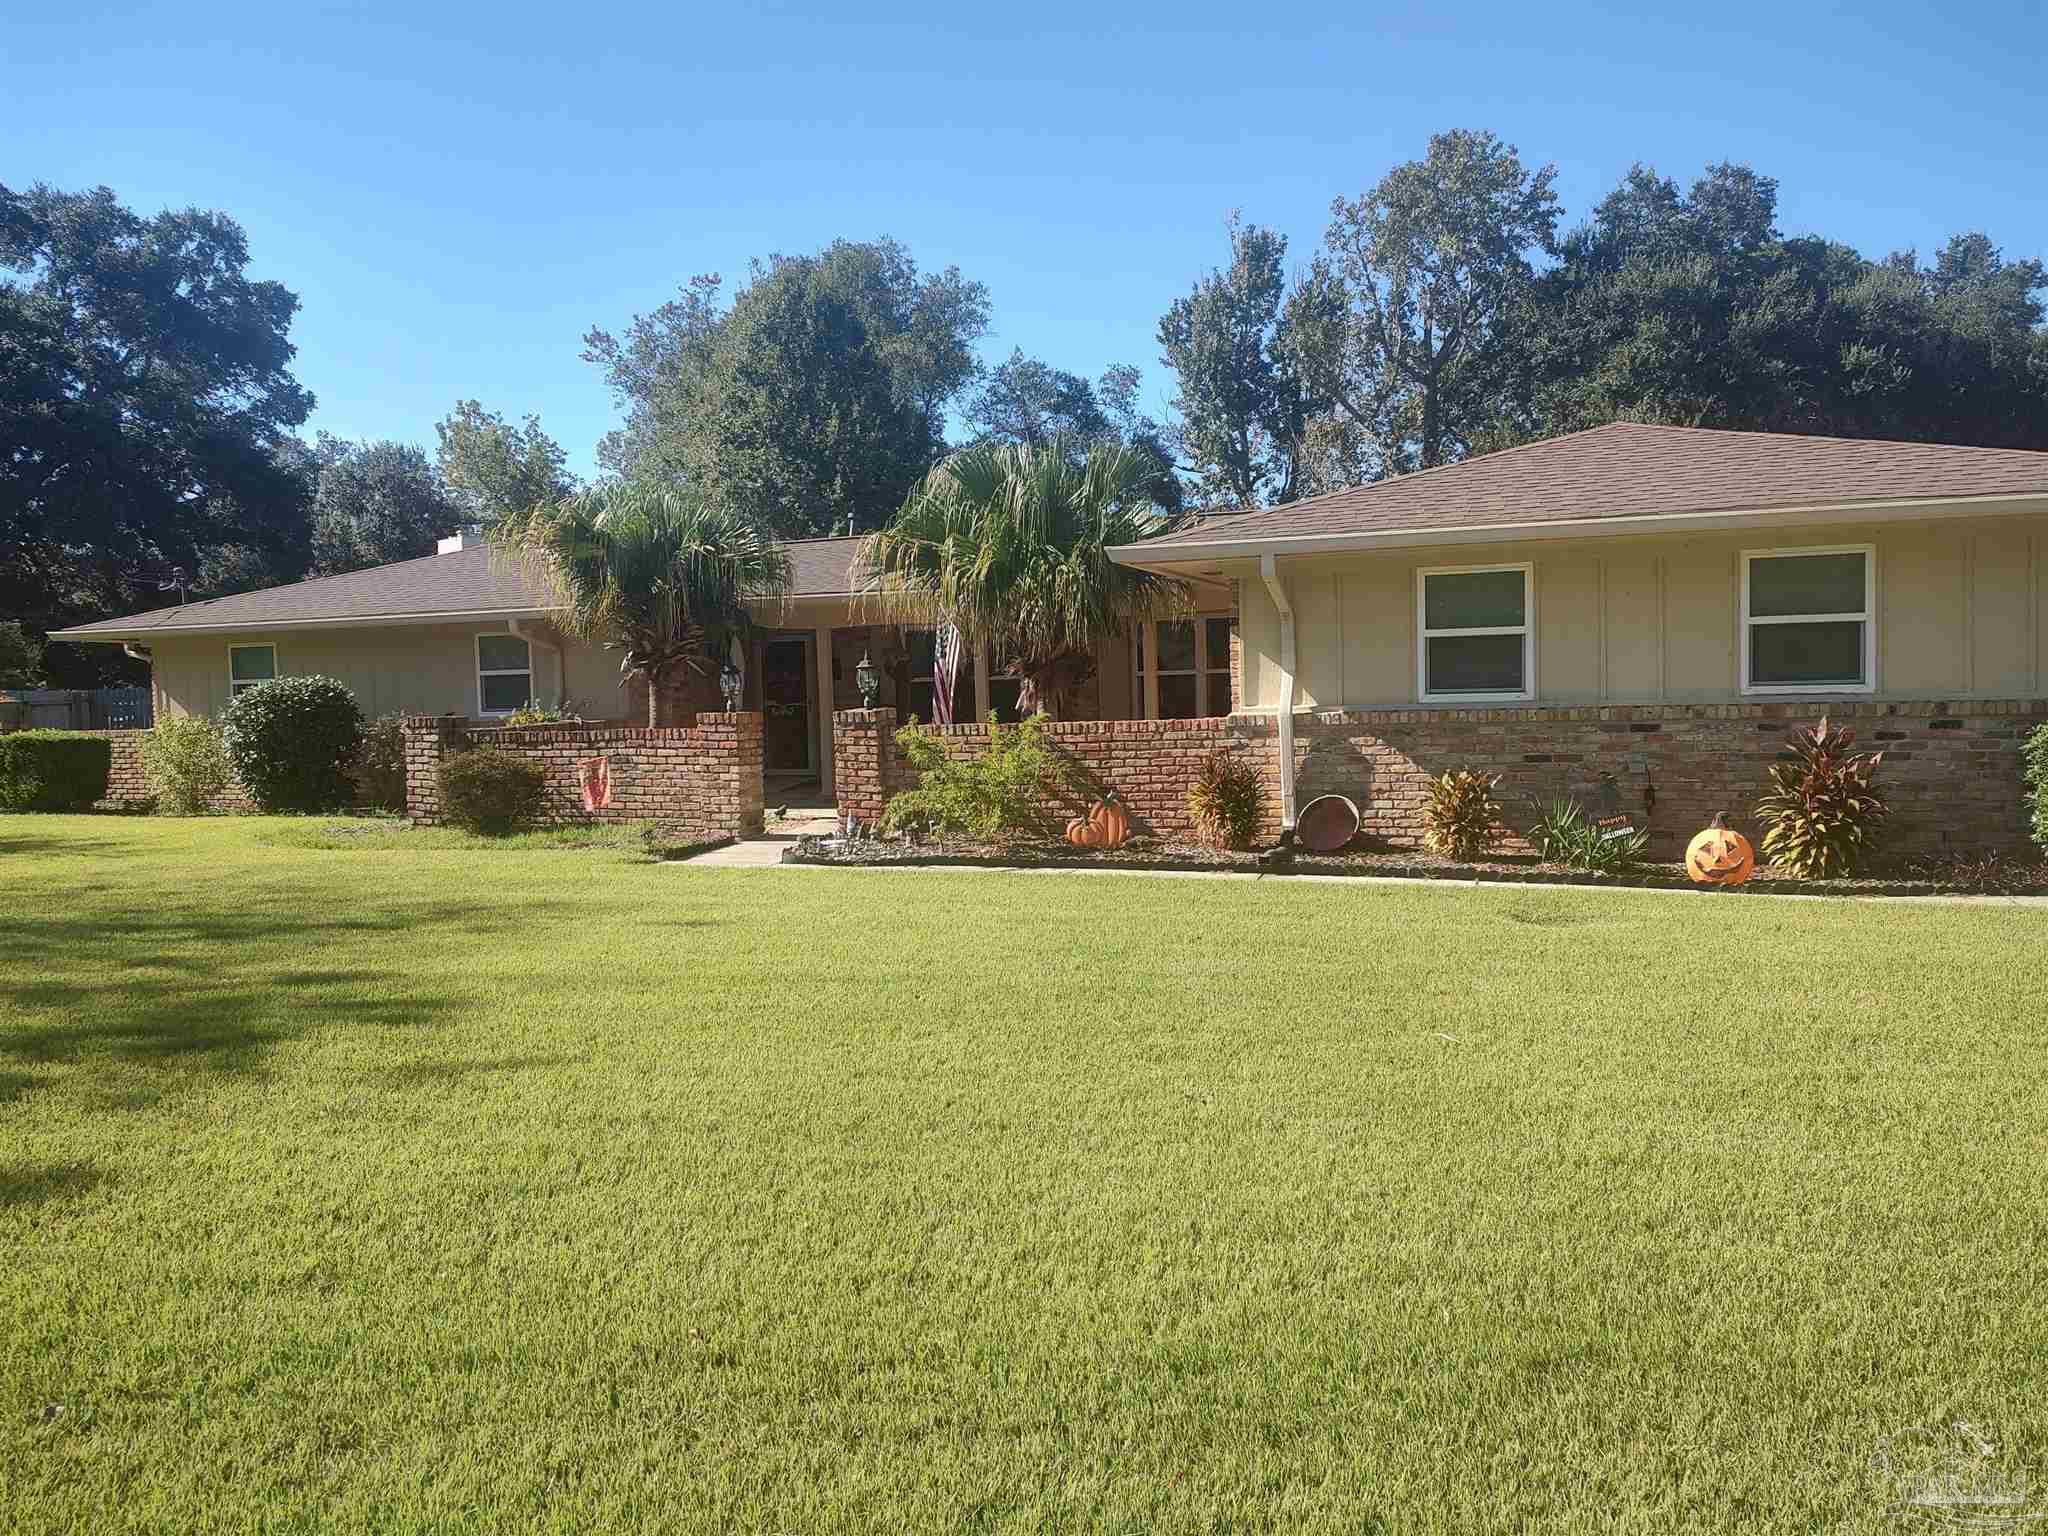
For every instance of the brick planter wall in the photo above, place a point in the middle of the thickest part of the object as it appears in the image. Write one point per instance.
(1149, 763)
(1951, 772)
(704, 778)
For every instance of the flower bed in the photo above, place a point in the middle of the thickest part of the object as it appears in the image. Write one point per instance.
(1922, 878)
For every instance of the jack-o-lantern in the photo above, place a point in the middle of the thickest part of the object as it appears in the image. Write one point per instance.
(1083, 833)
(1720, 856)
(1111, 822)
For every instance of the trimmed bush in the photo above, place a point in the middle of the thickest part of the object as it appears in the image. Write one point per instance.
(291, 742)
(1460, 818)
(492, 792)
(378, 771)
(53, 770)
(2035, 755)
(1226, 800)
(185, 763)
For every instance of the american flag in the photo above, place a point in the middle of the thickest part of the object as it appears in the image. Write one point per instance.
(945, 667)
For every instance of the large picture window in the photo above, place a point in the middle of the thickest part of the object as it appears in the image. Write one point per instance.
(1807, 620)
(1475, 633)
(249, 665)
(504, 674)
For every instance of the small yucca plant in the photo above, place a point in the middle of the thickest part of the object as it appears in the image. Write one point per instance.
(1461, 819)
(1821, 813)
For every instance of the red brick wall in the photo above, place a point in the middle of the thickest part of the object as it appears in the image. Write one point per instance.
(1149, 763)
(705, 778)
(1951, 773)
(127, 786)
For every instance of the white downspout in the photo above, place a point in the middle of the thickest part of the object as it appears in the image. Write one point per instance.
(1271, 576)
(533, 637)
(136, 652)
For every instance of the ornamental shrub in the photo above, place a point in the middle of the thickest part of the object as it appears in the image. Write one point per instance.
(492, 792)
(1460, 817)
(1226, 800)
(1566, 835)
(2035, 756)
(999, 795)
(185, 763)
(378, 769)
(1821, 814)
(53, 770)
(291, 742)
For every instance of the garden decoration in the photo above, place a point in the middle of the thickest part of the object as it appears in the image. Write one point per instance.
(1720, 856)
(1326, 823)
(1111, 821)
(594, 775)
(1082, 832)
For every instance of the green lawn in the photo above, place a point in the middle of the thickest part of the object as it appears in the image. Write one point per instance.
(408, 1186)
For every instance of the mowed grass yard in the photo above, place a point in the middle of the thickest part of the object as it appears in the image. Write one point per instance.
(417, 1187)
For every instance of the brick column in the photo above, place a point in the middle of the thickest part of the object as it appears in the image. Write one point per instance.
(428, 738)
(736, 739)
(863, 758)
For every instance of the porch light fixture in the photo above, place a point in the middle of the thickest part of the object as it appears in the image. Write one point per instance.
(868, 680)
(729, 685)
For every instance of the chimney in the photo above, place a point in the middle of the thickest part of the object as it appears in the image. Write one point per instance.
(462, 538)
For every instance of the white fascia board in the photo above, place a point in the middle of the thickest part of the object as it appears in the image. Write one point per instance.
(266, 626)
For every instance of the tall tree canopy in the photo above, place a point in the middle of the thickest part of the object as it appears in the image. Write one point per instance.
(1437, 262)
(1245, 408)
(1693, 308)
(145, 393)
(818, 395)
(374, 503)
(1023, 400)
(493, 469)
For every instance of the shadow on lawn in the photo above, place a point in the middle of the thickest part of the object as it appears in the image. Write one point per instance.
(191, 992)
(14, 841)
(38, 1186)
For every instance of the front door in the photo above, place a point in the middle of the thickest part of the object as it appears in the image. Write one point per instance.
(785, 701)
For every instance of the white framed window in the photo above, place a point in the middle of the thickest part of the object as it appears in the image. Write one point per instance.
(1180, 669)
(1476, 629)
(249, 665)
(1809, 620)
(504, 674)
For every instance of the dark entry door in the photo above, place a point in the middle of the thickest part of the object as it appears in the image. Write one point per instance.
(785, 700)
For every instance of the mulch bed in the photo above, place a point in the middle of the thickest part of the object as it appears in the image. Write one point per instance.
(1147, 853)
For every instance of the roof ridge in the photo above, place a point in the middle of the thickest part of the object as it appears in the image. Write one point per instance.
(1801, 437)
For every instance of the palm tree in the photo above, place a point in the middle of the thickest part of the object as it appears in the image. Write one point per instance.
(1009, 543)
(663, 576)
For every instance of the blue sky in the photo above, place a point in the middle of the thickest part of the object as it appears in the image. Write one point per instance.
(457, 192)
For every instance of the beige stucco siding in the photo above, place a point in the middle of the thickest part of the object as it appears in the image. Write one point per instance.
(414, 669)
(1962, 612)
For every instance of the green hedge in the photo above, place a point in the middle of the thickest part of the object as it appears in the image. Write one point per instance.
(53, 770)
(492, 792)
(2036, 751)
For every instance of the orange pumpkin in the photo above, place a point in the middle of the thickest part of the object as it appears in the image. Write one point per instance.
(1719, 856)
(1083, 833)
(1112, 822)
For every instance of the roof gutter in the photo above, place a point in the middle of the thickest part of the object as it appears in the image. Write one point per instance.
(264, 626)
(1166, 552)
(1270, 574)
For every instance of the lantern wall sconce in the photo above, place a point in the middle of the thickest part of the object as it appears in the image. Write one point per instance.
(868, 680)
(729, 684)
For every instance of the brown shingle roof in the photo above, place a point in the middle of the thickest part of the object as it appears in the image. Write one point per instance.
(467, 583)
(1631, 471)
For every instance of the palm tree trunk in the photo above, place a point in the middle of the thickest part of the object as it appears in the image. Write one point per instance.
(657, 697)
